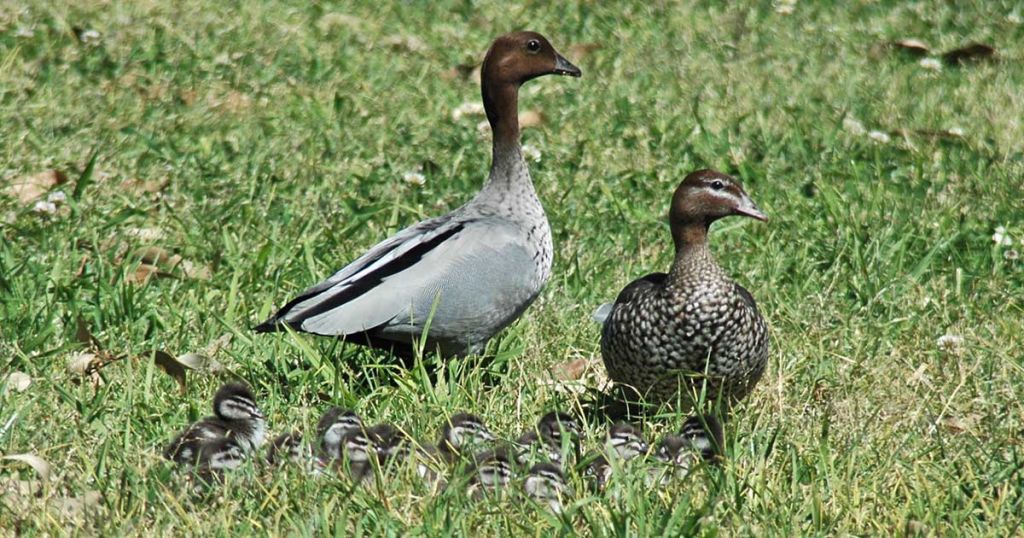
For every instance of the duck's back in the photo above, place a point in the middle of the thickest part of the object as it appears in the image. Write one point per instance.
(663, 334)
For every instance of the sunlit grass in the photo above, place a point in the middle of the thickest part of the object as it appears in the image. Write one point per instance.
(283, 132)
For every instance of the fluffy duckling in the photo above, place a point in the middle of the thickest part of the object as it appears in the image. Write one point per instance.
(462, 431)
(287, 447)
(491, 471)
(546, 485)
(333, 425)
(235, 416)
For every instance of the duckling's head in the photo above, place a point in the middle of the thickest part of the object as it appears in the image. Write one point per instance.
(520, 56)
(707, 195)
(463, 430)
(234, 401)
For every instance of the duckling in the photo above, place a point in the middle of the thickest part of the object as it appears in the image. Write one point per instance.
(490, 472)
(389, 443)
(672, 459)
(236, 416)
(333, 425)
(562, 428)
(357, 456)
(462, 431)
(532, 443)
(626, 441)
(213, 458)
(598, 470)
(546, 485)
(694, 324)
(704, 434)
(287, 447)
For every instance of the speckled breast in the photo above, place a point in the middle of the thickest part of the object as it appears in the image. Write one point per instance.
(663, 343)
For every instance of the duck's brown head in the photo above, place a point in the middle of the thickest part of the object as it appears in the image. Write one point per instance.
(707, 195)
(520, 56)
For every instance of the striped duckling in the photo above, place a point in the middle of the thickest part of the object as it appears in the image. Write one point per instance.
(666, 330)
(236, 416)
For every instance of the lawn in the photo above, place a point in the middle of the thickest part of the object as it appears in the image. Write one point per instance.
(219, 158)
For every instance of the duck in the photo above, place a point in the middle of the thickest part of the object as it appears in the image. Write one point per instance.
(669, 334)
(626, 441)
(465, 275)
(704, 434)
(287, 447)
(461, 431)
(333, 425)
(532, 443)
(545, 484)
(213, 458)
(490, 472)
(235, 416)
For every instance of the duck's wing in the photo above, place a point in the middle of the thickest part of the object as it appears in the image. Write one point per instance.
(746, 296)
(379, 286)
(628, 294)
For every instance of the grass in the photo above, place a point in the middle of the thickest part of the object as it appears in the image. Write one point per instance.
(283, 131)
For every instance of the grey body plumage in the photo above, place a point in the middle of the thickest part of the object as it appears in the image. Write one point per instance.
(469, 273)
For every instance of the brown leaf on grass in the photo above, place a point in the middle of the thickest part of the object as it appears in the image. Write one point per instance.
(144, 272)
(530, 118)
(571, 370)
(462, 72)
(578, 51)
(404, 43)
(975, 52)
(221, 342)
(151, 186)
(83, 335)
(28, 188)
(81, 362)
(330, 22)
(169, 364)
(960, 424)
(40, 465)
(17, 382)
(75, 507)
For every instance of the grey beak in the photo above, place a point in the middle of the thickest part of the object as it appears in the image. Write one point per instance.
(565, 67)
(750, 209)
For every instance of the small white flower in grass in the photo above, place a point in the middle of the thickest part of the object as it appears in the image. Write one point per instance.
(45, 208)
(853, 126)
(57, 197)
(90, 37)
(467, 109)
(414, 178)
(531, 152)
(1001, 237)
(1014, 18)
(1011, 254)
(931, 64)
(951, 343)
(785, 7)
(957, 131)
(24, 32)
(879, 136)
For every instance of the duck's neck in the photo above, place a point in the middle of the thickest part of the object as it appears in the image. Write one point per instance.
(508, 169)
(692, 252)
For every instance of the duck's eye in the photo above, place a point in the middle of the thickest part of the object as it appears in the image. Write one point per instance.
(717, 185)
(533, 45)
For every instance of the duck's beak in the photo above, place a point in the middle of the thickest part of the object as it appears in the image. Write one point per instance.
(749, 209)
(565, 67)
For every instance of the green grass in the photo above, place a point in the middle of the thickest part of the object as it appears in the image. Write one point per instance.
(284, 131)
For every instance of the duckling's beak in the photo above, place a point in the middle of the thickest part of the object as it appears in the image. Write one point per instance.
(565, 67)
(748, 208)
